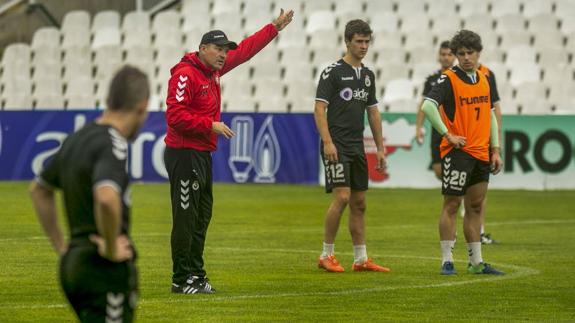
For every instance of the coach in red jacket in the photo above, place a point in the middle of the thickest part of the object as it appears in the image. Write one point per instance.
(193, 118)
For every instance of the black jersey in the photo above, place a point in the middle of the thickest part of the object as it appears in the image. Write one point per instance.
(348, 91)
(430, 82)
(442, 92)
(95, 155)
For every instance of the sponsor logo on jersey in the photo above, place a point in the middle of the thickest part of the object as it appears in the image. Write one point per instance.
(473, 100)
(347, 78)
(360, 95)
(346, 94)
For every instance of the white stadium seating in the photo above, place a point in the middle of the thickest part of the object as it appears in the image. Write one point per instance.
(527, 43)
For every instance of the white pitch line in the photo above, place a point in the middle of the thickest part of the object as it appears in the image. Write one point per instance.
(520, 271)
(404, 226)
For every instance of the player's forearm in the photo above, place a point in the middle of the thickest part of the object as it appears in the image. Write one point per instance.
(497, 107)
(321, 123)
(45, 206)
(420, 117)
(374, 119)
(108, 215)
(494, 136)
(432, 114)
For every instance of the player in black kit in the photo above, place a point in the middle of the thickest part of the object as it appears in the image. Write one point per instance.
(346, 90)
(97, 269)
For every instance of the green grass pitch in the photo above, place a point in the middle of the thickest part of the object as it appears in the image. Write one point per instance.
(263, 245)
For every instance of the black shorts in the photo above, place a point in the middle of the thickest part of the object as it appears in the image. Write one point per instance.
(98, 290)
(350, 171)
(434, 146)
(460, 171)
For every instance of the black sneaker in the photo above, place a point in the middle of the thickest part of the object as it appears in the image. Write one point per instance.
(194, 285)
(486, 239)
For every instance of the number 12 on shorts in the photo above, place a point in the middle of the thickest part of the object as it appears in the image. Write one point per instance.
(335, 172)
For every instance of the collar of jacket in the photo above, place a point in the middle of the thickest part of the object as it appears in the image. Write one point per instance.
(194, 59)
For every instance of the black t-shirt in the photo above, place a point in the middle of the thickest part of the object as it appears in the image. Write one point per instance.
(95, 155)
(493, 86)
(348, 91)
(442, 92)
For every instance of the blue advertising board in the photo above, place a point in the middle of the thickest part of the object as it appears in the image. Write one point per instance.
(267, 148)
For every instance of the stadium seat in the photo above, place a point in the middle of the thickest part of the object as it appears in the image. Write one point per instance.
(17, 101)
(304, 88)
(500, 70)
(383, 22)
(510, 23)
(521, 54)
(567, 26)
(46, 37)
(531, 96)
(480, 23)
(398, 89)
(565, 9)
(107, 60)
(521, 73)
(402, 105)
(552, 56)
(414, 23)
(468, 8)
(154, 103)
(76, 38)
(441, 8)
(229, 22)
(288, 39)
(17, 52)
(534, 7)
(390, 72)
(503, 8)
(416, 40)
(221, 6)
(80, 94)
(239, 74)
(197, 21)
(317, 5)
(383, 40)
(257, 7)
(192, 39)
(166, 21)
(391, 56)
(297, 73)
(492, 54)
(106, 19)
(379, 6)
(421, 71)
(444, 27)
(320, 56)
(75, 20)
(142, 58)
(267, 72)
(72, 71)
(46, 70)
(106, 36)
(167, 38)
(266, 57)
(241, 104)
(406, 8)
(423, 54)
(256, 21)
(193, 7)
(48, 101)
(544, 23)
(515, 38)
(325, 40)
(46, 55)
(548, 40)
(557, 74)
(321, 20)
(77, 55)
(136, 21)
(349, 6)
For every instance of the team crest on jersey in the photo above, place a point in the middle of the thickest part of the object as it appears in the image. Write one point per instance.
(367, 81)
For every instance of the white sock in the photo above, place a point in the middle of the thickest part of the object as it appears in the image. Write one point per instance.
(447, 250)
(327, 250)
(359, 254)
(482, 229)
(474, 249)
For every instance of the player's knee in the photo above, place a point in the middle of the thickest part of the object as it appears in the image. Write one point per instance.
(451, 205)
(474, 207)
(342, 198)
(359, 205)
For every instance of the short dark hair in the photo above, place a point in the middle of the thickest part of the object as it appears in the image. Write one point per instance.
(444, 45)
(128, 87)
(356, 27)
(465, 39)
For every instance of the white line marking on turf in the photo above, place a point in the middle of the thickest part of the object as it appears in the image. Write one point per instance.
(519, 271)
(167, 233)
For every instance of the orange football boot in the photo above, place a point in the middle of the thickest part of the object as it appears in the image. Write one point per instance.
(369, 265)
(330, 264)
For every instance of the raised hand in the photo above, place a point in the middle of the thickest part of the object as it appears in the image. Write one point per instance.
(283, 20)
